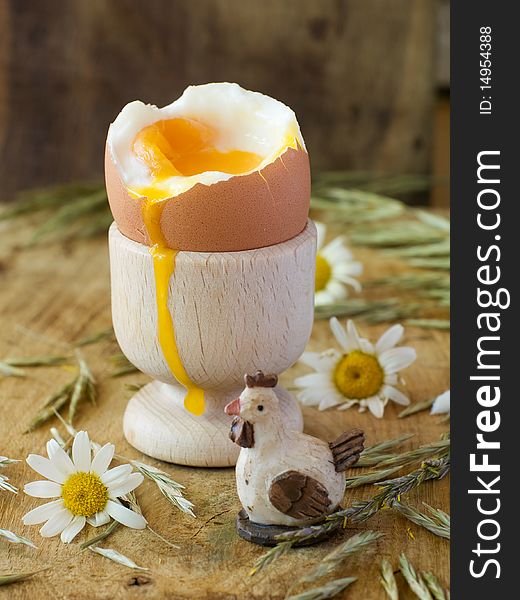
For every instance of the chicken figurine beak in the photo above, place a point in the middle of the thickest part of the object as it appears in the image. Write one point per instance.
(233, 408)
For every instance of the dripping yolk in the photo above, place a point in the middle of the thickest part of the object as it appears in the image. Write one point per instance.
(186, 147)
(181, 147)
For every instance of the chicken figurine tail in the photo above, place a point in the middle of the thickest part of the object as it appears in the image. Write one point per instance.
(285, 479)
(347, 448)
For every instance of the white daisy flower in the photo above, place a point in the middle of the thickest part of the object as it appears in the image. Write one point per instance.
(441, 404)
(362, 373)
(85, 490)
(335, 269)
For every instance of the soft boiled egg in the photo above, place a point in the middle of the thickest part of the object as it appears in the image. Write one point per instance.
(219, 169)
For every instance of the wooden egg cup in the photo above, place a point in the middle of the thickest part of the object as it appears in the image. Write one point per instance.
(233, 313)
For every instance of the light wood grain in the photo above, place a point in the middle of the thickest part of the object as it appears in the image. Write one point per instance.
(233, 312)
(52, 296)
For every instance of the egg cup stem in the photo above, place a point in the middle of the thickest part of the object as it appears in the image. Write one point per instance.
(157, 424)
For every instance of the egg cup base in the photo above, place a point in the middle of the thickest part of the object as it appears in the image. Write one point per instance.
(157, 424)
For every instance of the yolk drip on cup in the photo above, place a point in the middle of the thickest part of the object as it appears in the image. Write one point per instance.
(178, 147)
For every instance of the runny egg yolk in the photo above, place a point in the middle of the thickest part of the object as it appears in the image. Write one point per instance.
(186, 147)
(164, 267)
(178, 147)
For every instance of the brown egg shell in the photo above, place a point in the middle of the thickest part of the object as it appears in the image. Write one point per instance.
(243, 213)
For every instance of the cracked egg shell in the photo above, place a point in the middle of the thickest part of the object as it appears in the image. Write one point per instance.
(241, 212)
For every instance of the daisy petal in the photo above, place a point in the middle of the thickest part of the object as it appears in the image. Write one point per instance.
(125, 516)
(349, 269)
(346, 405)
(43, 489)
(353, 335)
(347, 280)
(102, 459)
(376, 406)
(118, 472)
(100, 518)
(81, 451)
(317, 380)
(336, 251)
(366, 346)
(396, 395)
(341, 335)
(131, 482)
(310, 396)
(337, 290)
(45, 467)
(51, 448)
(329, 401)
(395, 359)
(320, 361)
(391, 378)
(322, 297)
(60, 458)
(57, 523)
(321, 231)
(42, 513)
(72, 529)
(389, 338)
(441, 404)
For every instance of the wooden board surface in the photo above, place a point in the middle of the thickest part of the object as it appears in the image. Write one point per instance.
(360, 75)
(51, 297)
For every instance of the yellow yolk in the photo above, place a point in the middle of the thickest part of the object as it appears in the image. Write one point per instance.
(183, 148)
(178, 147)
(164, 267)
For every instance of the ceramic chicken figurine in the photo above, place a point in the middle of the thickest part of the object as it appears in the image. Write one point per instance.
(284, 477)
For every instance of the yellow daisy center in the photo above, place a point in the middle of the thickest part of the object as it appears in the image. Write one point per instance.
(323, 273)
(84, 494)
(358, 375)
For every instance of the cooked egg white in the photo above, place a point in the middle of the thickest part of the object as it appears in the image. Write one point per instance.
(210, 134)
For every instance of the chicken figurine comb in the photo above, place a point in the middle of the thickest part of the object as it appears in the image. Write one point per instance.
(285, 479)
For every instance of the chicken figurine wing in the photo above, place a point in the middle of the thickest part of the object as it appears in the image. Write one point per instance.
(284, 477)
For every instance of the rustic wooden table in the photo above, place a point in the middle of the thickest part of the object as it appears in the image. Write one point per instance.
(52, 296)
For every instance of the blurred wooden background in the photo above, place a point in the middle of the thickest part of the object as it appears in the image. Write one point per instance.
(367, 78)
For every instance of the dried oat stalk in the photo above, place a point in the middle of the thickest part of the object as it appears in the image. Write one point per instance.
(414, 580)
(8, 578)
(329, 590)
(122, 366)
(271, 556)
(117, 557)
(388, 581)
(333, 560)
(373, 455)
(4, 480)
(437, 522)
(391, 464)
(14, 538)
(172, 490)
(82, 388)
